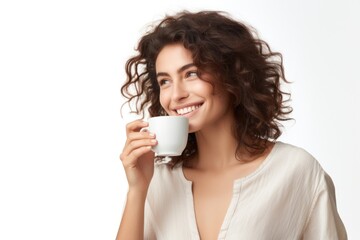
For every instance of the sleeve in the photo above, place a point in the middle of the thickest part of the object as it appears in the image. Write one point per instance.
(324, 221)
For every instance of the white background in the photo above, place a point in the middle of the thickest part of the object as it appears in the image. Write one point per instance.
(61, 68)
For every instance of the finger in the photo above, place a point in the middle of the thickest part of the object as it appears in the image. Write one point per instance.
(135, 136)
(135, 126)
(133, 145)
(140, 135)
(131, 159)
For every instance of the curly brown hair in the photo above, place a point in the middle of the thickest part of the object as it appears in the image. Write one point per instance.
(241, 63)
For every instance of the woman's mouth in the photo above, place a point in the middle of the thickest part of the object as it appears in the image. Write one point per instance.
(187, 110)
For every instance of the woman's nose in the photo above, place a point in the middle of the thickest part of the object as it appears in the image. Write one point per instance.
(179, 91)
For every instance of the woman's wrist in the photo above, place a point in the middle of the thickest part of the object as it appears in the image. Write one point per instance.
(136, 194)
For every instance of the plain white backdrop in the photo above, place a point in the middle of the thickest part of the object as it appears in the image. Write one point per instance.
(61, 68)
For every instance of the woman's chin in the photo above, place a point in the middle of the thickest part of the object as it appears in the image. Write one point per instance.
(193, 128)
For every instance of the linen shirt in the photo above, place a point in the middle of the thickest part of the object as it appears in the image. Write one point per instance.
(289, 196)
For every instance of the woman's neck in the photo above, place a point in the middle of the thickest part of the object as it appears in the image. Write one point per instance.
(217, 146)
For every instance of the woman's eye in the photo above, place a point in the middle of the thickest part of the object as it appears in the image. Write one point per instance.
(163, 82)
(191, 74)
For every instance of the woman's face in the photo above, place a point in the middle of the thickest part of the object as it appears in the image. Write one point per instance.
(183, 93)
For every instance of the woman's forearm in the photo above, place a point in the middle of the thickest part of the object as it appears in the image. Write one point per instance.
(132, 222)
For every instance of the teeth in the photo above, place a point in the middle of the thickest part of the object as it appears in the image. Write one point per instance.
(186, 110)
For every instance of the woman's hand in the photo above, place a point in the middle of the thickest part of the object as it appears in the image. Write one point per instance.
(137, 157)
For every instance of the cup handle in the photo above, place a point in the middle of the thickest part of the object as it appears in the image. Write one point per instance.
(145, 129)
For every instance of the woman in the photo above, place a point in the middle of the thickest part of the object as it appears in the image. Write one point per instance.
(233, 180)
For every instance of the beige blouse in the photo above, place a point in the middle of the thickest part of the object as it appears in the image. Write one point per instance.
(288, 197)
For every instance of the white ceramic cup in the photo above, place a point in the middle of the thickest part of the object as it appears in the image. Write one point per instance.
(171, 133)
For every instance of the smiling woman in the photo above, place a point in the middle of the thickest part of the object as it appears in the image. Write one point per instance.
(234, 180)
(182, 91)
(226, 54)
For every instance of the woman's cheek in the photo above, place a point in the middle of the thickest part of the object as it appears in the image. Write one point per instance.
(164, 101)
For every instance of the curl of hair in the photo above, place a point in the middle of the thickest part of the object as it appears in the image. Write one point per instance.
(239, 62)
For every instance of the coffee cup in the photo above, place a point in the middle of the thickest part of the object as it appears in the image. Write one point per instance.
(171, 133)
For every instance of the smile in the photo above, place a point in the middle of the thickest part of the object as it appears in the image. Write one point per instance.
(186, 110)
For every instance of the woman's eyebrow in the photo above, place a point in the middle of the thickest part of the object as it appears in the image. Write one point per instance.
(183, 68)
(180, 70)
